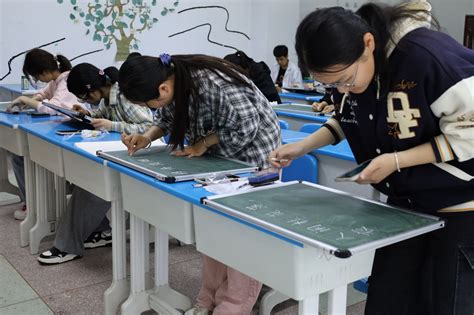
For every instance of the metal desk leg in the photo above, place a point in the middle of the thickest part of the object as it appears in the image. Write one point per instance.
(337, 301)
(120, 287)
(5, 185)
(44, 209)
(165, 300)
(309, 306)
(30, 191)
(137, 302)
(270, 300)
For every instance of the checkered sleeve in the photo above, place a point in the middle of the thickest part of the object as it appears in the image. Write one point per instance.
(138, 119)
(246, 126)
(164, 117)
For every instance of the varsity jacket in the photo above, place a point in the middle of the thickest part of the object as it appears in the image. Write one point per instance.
(430, 99)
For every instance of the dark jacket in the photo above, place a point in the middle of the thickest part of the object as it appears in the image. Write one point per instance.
(259, 73)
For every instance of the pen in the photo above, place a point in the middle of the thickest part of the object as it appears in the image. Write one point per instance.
(279, 160)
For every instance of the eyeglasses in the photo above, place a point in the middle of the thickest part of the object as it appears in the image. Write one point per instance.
(336, 85)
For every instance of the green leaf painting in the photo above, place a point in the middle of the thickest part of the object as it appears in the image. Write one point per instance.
(117, 22)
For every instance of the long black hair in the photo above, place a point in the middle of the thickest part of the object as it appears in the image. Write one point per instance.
(140, 77)
(334, 36)
(85, 78)
(38, 61)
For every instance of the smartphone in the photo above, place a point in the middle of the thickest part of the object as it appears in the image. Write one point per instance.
(67, 132)
(353, 174)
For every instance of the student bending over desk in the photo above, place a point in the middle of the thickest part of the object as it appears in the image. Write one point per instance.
(207, 101)
(405, 100)
(43, 66)
(84, 223)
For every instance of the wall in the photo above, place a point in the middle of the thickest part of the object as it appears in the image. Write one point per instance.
(266, 22)
(451, 15)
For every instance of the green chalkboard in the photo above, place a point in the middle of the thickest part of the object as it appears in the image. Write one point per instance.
(318, 216)
(158, 162)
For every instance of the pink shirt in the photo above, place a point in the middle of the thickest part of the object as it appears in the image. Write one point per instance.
(56, 93)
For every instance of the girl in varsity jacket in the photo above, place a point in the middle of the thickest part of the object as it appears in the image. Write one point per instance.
(404, 96)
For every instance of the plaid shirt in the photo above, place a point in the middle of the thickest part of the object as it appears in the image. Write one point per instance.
(125, 115)
(241, 117)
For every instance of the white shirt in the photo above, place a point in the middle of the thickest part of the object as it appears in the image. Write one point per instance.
(292, 78)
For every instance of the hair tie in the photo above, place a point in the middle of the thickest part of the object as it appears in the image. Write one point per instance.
(165, 59)
(101, 72)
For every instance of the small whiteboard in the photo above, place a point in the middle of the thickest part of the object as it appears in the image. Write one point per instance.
(159, 163)
(323, 217)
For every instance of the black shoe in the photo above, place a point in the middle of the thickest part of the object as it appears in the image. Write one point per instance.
(55, 256)
(98, 239)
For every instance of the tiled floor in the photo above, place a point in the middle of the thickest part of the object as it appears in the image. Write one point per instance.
(77, 287)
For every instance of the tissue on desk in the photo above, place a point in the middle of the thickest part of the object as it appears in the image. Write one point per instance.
(92, 133)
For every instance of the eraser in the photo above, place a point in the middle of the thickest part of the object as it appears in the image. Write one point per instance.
(264, 178)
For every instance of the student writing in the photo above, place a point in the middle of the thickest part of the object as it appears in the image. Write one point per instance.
(84, 224)
(217, 109)
(404, 98)
(43, 66)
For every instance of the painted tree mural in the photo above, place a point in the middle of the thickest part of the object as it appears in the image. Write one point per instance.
(117, 21)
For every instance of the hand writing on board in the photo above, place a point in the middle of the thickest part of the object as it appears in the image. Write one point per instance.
(134, 142)
(380, 167)
(283, 155)
(191, 151)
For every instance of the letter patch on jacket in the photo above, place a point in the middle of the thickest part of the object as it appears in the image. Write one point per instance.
(404, 118)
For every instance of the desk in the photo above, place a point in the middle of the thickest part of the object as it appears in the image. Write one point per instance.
(288, 136)
(13, 139)
(179, 203)
(297, 115)
(92, 174)
(290, 97)
(172, 215)
(303, 267)
(334, 160)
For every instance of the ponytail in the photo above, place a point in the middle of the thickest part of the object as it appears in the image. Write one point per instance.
(38, 61)
(63, 63)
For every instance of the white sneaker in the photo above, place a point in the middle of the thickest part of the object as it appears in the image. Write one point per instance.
(55, 256)
(197, 310)
(20, 214)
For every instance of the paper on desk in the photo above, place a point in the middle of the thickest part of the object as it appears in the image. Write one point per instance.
(93, 147)
(225, 188)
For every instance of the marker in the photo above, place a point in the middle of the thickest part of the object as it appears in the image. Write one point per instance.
(279, 160)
